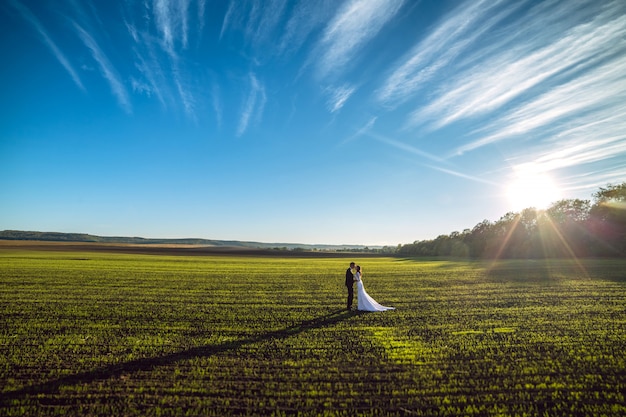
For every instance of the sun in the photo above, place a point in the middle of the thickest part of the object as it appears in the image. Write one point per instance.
(532, 189)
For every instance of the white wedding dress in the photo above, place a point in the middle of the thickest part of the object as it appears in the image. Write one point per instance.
(365, 302)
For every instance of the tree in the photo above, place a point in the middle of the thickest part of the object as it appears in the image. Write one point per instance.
(608, 220)
(567, 211)
(568, 228)
(563, 230)
(477, 238)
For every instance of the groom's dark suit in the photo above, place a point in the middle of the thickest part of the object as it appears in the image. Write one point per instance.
(350, 285)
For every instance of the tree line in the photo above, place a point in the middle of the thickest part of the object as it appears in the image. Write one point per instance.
(568, 228)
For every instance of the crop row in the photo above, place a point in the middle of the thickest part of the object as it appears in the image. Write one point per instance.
(104, 334)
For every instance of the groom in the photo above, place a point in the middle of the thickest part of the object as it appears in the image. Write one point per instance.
(350, 284)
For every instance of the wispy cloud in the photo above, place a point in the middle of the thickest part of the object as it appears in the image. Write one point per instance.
(338, 96)
(201, 12)
(405, 147)
(263, 23)
(253, 106)
(186, 97)
(463, 175)
(227, 17)
(602, 90)
(257, 19)
(361, 131)
(107, 69)
(355, 23)
(30, 18)
(554, 79)
(151, 71)
(594, 139)
(183, 16)
(171, 18)
(591, 180)
(507, 76)
(410, 149)
(132, 30)
(160, 31)
(582, 153)
(306, 17)
(217, 103)
(481, 39)
(163, 14)
(140, 87)
(453, 36)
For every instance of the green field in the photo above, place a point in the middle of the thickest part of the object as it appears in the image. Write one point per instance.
(112, 334)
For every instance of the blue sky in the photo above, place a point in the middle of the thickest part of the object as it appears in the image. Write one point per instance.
(348, 122)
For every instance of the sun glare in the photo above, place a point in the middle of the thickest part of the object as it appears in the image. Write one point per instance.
(532, 189)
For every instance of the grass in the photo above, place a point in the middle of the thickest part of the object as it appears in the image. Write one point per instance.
(112, 334)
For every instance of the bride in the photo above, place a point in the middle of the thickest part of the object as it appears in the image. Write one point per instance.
(366, 303)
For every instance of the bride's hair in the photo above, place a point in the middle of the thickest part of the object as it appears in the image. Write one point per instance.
(358, 268)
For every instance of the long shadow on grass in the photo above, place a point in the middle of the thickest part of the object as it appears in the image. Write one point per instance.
(147, 364)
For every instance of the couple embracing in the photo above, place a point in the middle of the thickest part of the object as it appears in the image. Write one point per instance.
(365, 302)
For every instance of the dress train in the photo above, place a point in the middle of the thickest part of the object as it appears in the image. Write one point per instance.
(365, 301)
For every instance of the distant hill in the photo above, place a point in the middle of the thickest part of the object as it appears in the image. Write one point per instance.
(83, 237)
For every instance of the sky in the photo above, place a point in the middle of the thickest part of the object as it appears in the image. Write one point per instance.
(375, 122)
